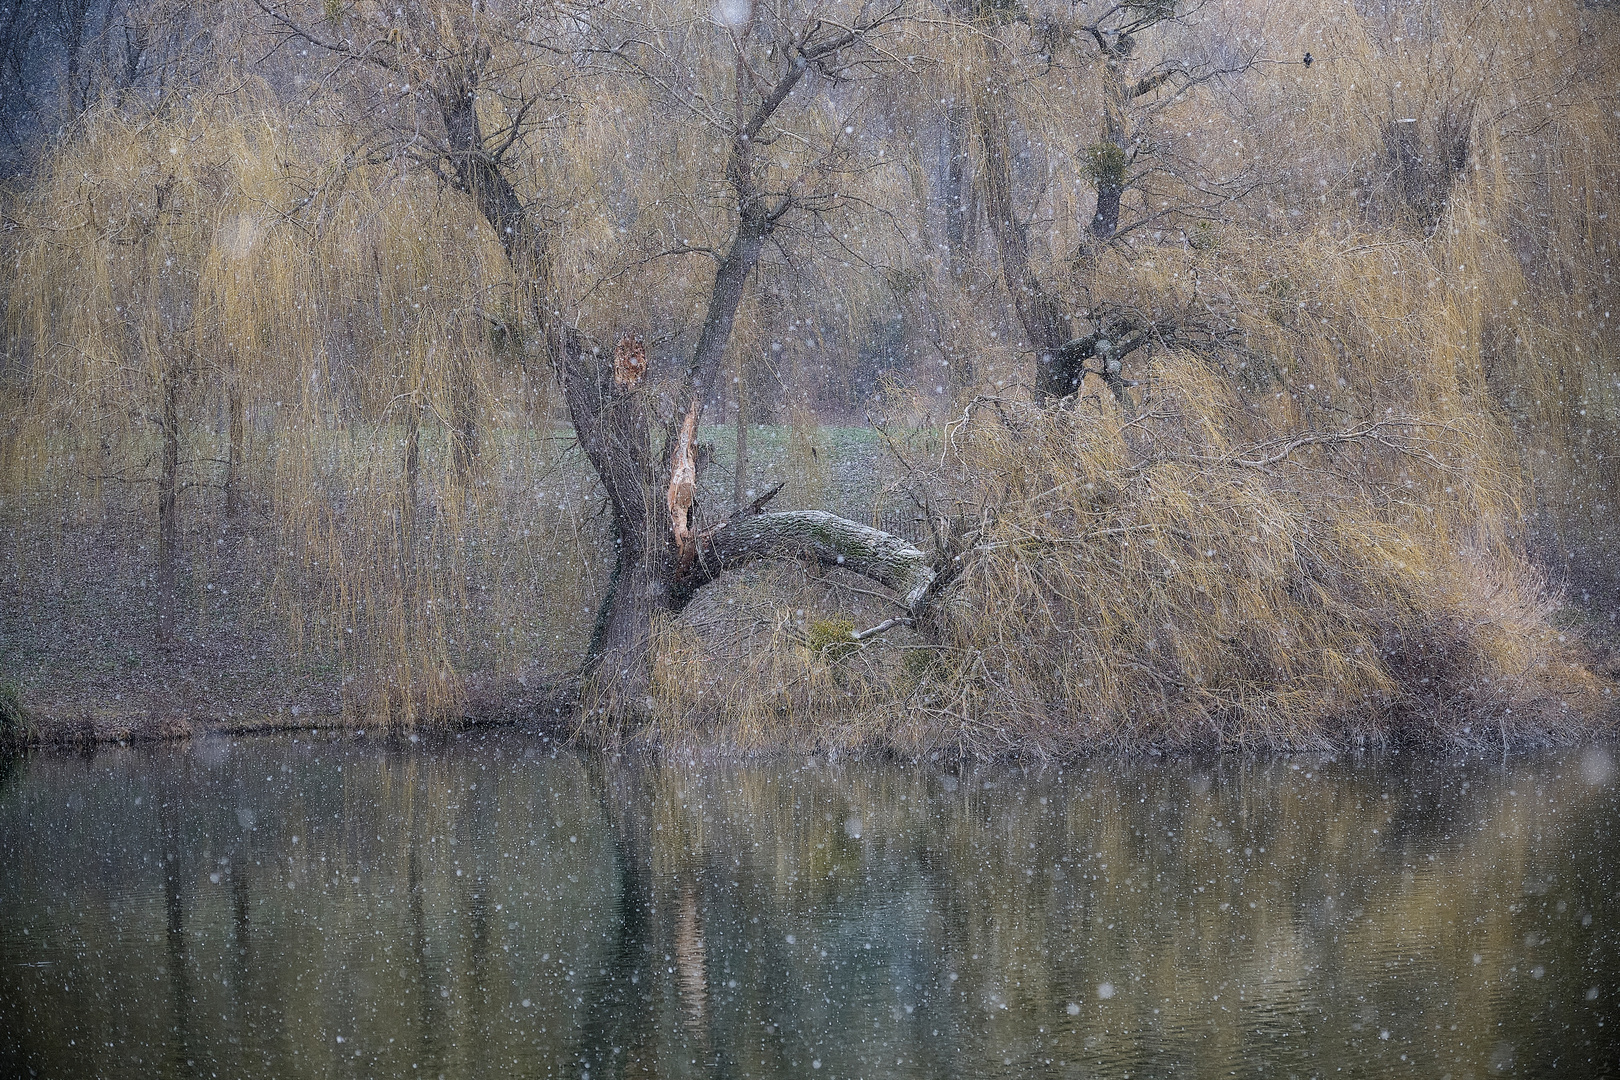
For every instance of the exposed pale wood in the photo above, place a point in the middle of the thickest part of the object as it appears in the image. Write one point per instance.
(682, 494)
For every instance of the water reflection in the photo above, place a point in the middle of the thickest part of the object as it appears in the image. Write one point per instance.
(497, 906)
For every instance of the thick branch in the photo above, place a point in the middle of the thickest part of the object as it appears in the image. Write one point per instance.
(724, 300)
(1149, 83)
(1069, 365)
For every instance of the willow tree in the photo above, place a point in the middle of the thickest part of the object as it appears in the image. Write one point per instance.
(1104, 60)
(112, 321)
(469, 93)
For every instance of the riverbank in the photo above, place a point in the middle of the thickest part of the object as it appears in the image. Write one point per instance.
(261, 643)
(135, 713)
(186, 699)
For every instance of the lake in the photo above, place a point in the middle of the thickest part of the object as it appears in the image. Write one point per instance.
(499, 905)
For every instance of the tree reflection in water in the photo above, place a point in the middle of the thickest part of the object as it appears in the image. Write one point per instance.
(343, 907)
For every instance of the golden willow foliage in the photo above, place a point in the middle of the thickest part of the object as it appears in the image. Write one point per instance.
(1216, 568)
(352, 415)
(1180, 588)
(1513, 106)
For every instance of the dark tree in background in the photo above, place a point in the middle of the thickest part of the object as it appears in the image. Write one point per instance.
(58, 57)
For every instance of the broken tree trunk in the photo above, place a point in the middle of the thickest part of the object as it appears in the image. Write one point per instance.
(681, 496)
(611, 422)
(660, 556)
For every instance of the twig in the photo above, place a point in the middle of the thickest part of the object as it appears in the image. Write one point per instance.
(874, 631)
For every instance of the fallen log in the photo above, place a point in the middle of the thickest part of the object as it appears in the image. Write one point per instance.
(889, 560)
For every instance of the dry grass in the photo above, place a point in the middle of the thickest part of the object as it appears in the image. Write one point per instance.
(1166, 592)
(763, 659)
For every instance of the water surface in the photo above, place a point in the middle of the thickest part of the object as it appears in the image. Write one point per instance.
(496, 906)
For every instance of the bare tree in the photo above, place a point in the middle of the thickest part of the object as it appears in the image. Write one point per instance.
(777, 175)
(60, 57)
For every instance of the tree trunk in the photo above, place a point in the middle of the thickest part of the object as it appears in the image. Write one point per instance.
(956, 187)
(1111, 155)
(1038, 311)
(740, 472)
(236, 422)
(413, 462)
(611, 423)
(168, 491)
(1105, 222)
(619, 672)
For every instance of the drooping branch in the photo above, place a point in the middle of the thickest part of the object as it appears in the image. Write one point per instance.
(1394, 434)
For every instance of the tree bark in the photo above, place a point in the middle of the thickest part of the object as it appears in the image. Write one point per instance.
(889, 560)
(1111, 155)
(739, 473)
(1105, 222)
(619, 675)
(957, 134)
(611, 424)
(413, 461)
(724, 300)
